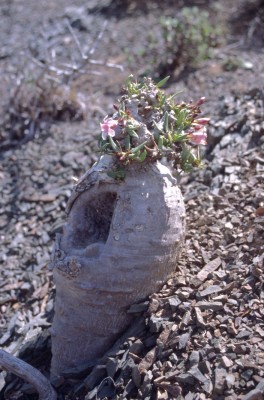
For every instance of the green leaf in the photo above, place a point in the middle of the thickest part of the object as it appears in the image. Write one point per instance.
(169, 137)
(156, 136)
(104, 146)
(162, 82)
(132, 156)
(176, 94)
(113, 145)
(143, 155)
(160, 142)
(188, 160)
(181, 117)
(117, 175)
(129, 79)
(166, 121)
(127, 143)
(139, 147)
(177, 137)
(161, 99)
(157, 127)
(133, 133)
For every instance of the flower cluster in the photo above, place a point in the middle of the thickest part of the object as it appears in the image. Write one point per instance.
(199, 135)
(149, 125)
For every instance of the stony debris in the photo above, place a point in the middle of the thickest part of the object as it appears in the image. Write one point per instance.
(203, 332)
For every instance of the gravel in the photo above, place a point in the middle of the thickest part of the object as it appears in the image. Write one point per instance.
(203, 332)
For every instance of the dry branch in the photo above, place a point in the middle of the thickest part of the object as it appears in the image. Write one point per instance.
(29, 374)
(69, 71)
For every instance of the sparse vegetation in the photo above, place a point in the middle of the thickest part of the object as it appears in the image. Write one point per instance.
(34, 104)
(180, 41)
(189, 38)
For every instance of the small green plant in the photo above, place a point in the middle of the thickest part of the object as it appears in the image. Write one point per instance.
(234, 63)
(149, 125)
(189, 37)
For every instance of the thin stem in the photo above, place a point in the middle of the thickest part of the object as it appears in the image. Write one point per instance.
(76, 40)
(97, 40)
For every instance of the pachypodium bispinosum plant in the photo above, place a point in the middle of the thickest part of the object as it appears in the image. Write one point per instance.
(126, 222)
(149, 125)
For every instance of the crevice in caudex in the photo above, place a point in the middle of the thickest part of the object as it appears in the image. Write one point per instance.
(95, 220)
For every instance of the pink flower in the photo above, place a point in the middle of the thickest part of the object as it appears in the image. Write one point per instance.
(198, 137)
(202, 121)
(108, 127)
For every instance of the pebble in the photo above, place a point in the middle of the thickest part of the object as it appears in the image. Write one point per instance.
(194, 358)
(174, 303)
(226, 362)
(209, 305)
(220, 381)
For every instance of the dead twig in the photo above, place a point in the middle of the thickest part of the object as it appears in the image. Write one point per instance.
(78, 44)
(29, 374)
(67, 72)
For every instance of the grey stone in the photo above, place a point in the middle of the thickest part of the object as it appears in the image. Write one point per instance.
(219, 380)
(174, 303)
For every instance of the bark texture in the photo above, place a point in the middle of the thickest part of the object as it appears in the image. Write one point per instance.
(120, 244)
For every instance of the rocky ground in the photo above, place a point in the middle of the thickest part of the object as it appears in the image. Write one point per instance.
(202, 335)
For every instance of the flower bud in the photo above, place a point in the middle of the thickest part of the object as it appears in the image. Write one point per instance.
(200, 101)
